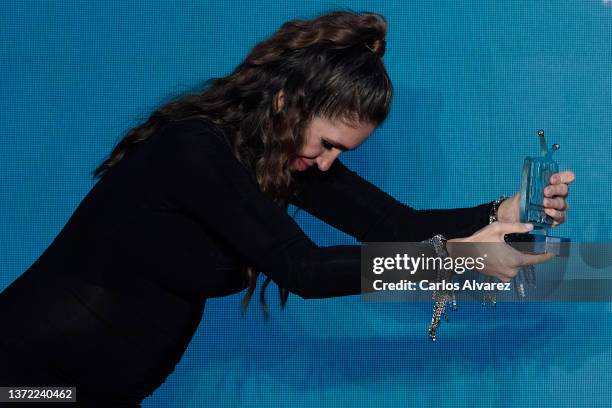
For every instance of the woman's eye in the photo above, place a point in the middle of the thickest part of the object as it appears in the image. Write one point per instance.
(326, 145)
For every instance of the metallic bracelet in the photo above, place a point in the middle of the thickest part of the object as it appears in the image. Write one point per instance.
(443, 296)
(494, 208)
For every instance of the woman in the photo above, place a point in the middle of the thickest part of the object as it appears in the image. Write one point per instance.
(192, 205)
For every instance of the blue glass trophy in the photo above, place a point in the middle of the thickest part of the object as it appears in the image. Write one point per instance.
(535, 177)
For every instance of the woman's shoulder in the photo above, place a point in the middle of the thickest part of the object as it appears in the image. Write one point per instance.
(194, 131)
(192, 124)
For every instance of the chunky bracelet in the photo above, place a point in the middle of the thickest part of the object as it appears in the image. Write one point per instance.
(494, 208)
(439, 244)
(443, 296)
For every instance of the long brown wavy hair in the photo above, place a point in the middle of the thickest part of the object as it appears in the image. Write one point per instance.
(329, 67)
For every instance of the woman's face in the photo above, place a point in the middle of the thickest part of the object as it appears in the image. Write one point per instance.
(324, 140)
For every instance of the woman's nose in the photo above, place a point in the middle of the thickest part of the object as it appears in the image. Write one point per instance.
(325, 161)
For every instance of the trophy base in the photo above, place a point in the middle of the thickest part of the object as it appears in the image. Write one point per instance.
(538, 244)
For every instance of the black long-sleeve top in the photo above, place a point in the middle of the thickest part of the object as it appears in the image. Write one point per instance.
(113, 302)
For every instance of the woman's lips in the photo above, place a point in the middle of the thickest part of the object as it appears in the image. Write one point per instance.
(301, 164)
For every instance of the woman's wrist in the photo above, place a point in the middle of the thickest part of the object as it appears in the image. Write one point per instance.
(453, 245)
(450, 246)
(498, 210)
(507, 209)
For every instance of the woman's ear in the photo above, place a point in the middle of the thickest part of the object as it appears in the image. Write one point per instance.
(279, 101)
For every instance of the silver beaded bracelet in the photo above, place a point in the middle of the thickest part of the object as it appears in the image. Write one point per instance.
(443, 296)
(494, 208)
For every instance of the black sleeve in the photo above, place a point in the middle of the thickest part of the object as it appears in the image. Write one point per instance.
(200, 176)
(343, 199)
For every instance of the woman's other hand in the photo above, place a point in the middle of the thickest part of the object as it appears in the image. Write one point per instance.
(555, 200)
(501, 260)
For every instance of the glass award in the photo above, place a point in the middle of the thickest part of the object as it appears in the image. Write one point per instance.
(536, 175)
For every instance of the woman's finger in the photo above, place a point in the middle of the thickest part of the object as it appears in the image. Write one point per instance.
(555, 203)
(557, 215)
(533, 259)
(563, 177)
(560, 190)
(512, 227)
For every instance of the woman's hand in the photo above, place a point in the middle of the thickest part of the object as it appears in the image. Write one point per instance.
(555, 200)
(501, 260)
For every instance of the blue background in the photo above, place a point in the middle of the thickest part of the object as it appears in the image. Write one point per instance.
(474, 81)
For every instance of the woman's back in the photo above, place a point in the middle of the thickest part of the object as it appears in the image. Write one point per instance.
(117, 296)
